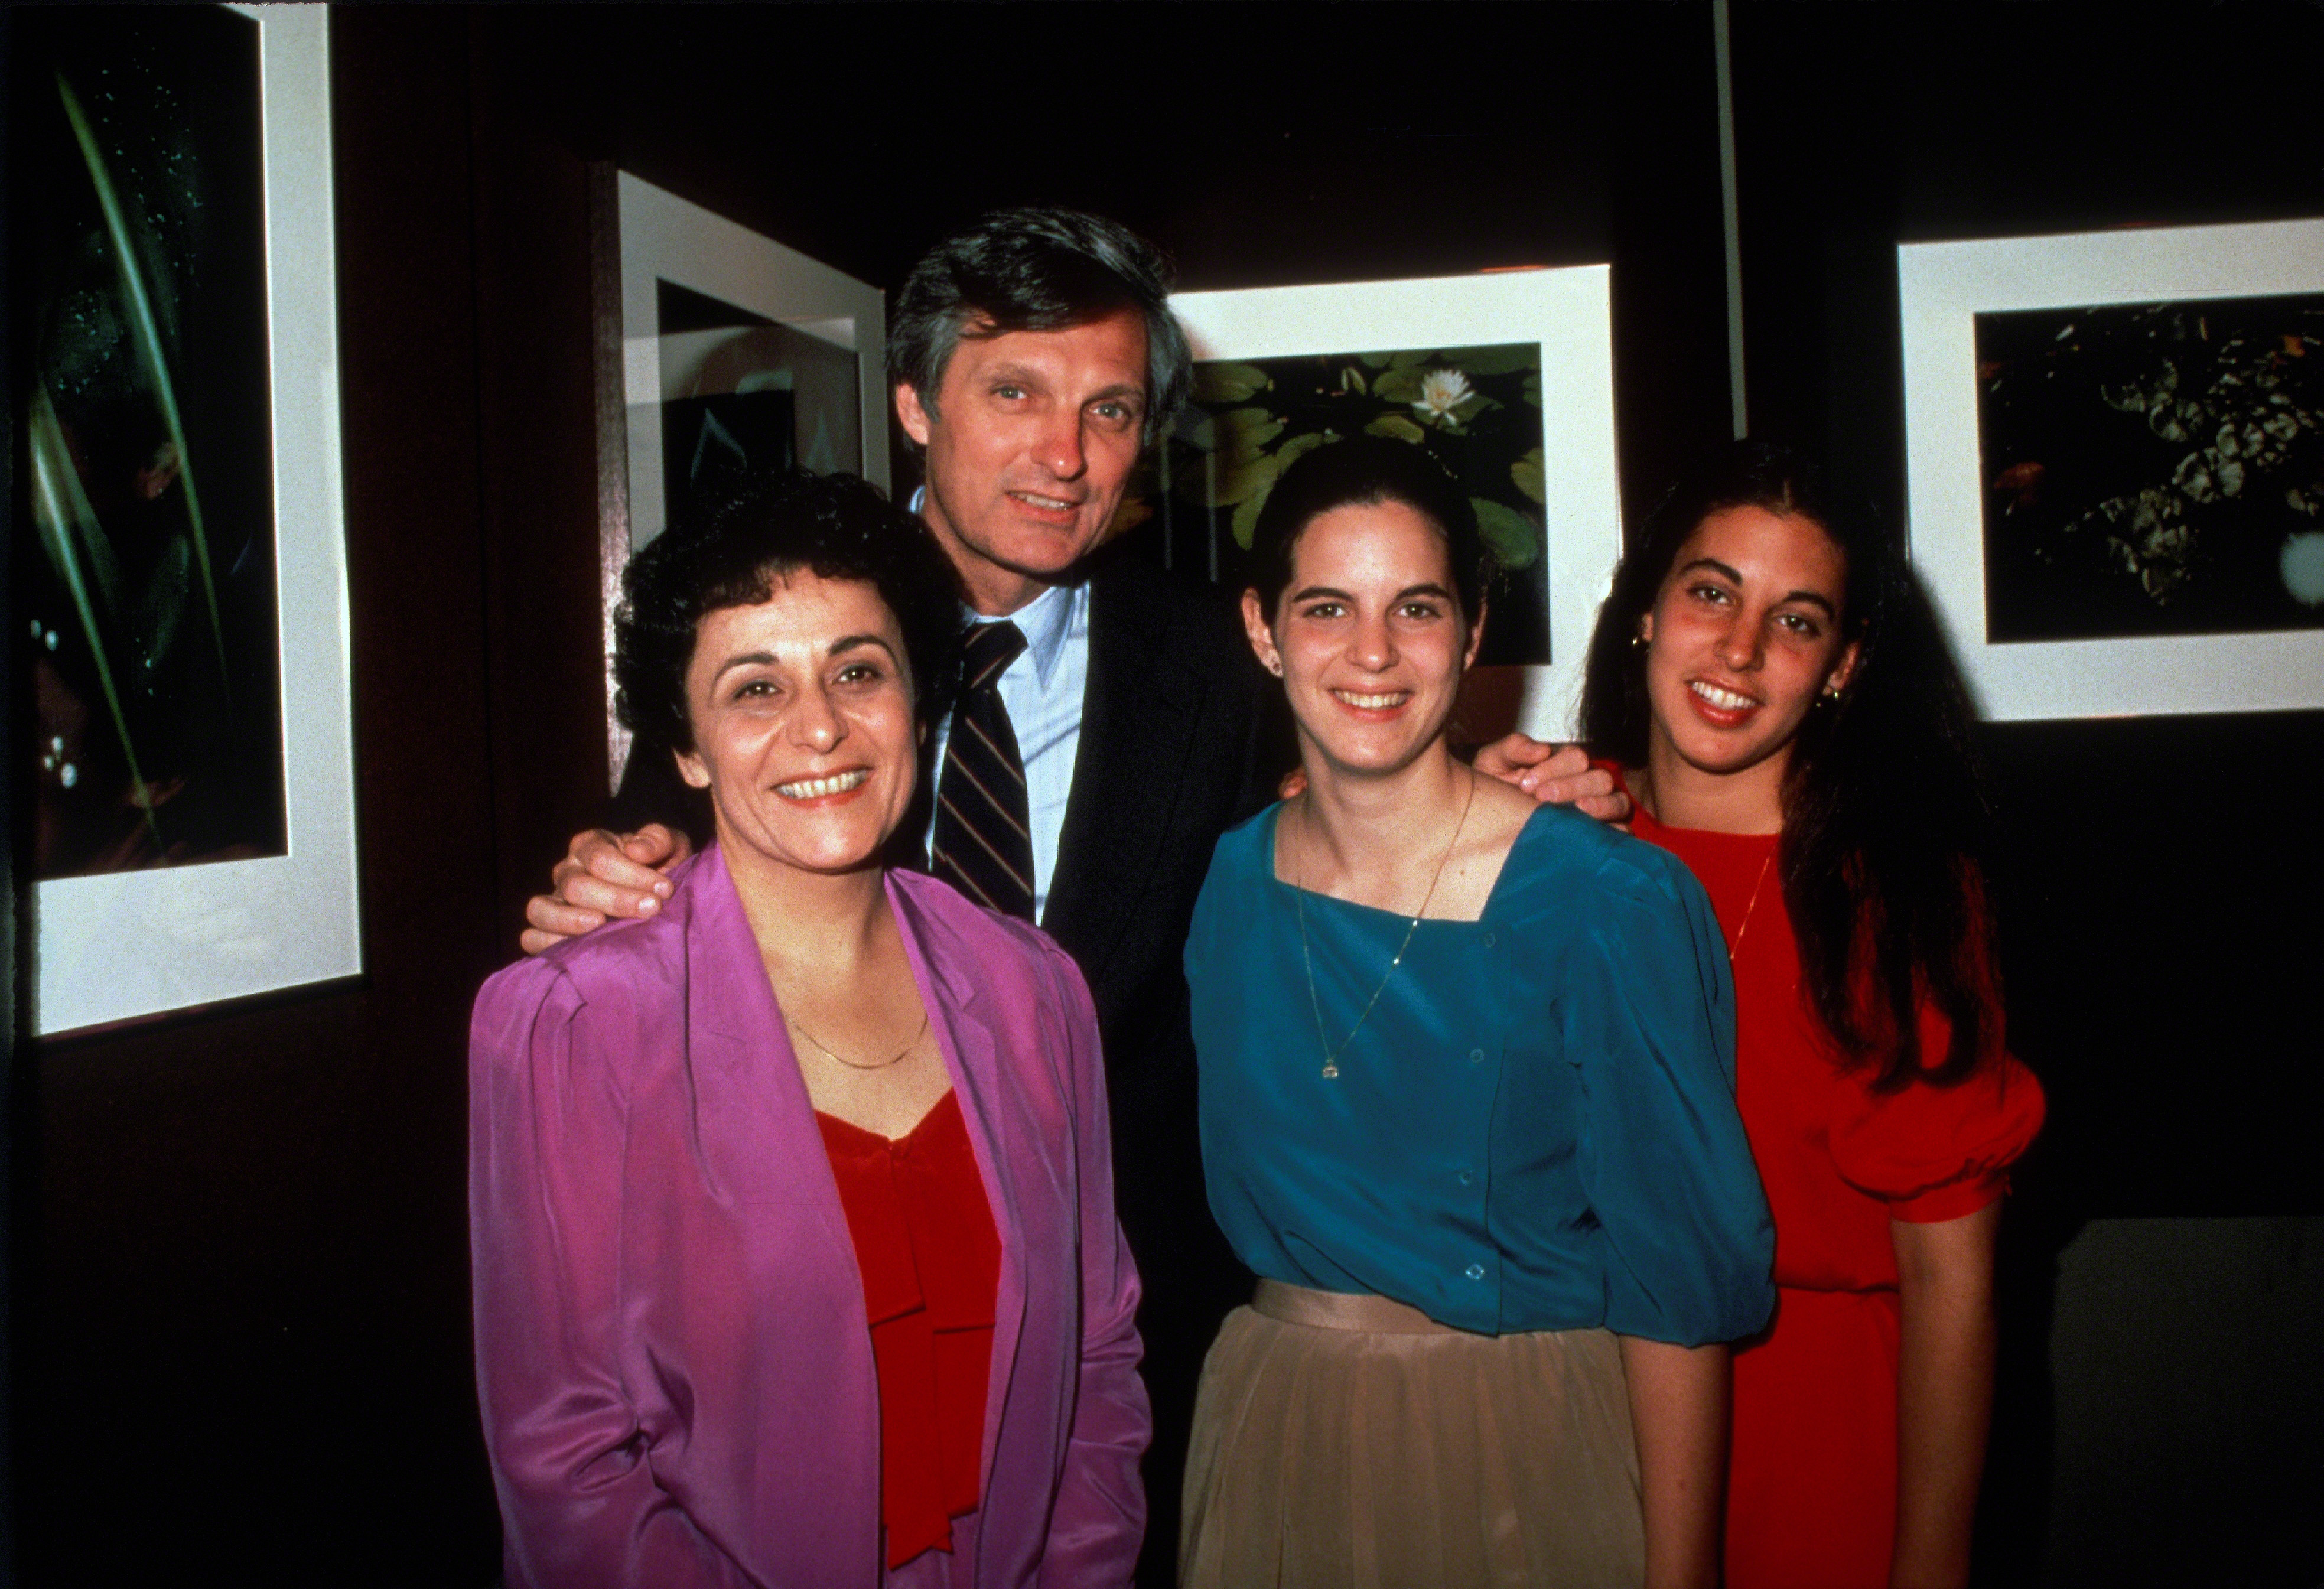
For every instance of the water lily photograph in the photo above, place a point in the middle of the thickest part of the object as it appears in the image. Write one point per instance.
(1476, 411)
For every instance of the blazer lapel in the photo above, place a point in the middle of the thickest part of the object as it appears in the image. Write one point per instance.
(1139, 716)
(753, 1126)
(961, 1021)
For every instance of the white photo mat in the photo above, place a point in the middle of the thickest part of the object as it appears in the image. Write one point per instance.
(666, 238)
(1567, 312)
(1943, 287)
(126, 944)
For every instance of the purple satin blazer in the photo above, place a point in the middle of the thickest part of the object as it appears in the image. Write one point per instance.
(671, 1348)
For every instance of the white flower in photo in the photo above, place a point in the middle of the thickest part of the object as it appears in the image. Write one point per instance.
(1442, 392)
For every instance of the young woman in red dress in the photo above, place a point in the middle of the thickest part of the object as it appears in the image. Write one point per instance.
(1775, 687)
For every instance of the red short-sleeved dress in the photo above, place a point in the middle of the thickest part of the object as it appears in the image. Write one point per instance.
(1811, 1490)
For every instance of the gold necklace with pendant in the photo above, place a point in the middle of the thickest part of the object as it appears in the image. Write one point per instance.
(1299, 898)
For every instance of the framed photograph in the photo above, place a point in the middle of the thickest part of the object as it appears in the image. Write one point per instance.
(1493, 374)
(183, 592)
(718, 349)
(2117, 452)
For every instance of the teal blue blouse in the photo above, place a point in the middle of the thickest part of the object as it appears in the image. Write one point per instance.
(1535, 1128)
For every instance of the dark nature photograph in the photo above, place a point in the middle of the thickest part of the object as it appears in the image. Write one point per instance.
(2153, 469)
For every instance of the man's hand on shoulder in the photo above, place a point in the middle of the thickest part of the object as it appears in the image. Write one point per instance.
(603, 875)
(1556, 775)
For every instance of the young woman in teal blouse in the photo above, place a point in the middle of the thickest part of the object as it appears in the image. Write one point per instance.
(1467, 1110)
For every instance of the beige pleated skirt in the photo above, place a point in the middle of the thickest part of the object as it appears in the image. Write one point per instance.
(1353, 1443)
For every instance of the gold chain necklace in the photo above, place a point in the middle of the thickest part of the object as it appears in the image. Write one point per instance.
(1744, 926)
(853, 1065)
(1299, 899)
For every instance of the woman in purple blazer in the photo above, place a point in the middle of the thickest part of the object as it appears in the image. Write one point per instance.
(796, 1258)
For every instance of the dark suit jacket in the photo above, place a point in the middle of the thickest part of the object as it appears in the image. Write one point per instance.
(1182, 735)
(1170, 757)
(1175, 749)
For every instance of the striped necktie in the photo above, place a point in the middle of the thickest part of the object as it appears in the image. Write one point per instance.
(984, 839)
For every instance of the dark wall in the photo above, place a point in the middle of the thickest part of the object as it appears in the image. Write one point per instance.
(243, 1293)
(1261, 147)
(2154, 951)
(2160, 938)
(241, 1330)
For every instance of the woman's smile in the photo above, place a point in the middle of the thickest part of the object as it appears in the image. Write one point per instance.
(1380, 704)
(826, 790)
(1719, 705)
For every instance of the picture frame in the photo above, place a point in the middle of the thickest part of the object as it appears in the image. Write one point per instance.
(708, 330)
(116, 946)
(1564, 313)
(2077, 623)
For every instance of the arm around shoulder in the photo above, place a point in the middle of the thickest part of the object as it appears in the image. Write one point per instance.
(605, 876)
(1556, 775)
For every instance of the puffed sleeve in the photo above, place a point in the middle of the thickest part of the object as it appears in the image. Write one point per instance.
(1936, 1153)
(1689, 1246)
(1100, 1517)
(579, 1504)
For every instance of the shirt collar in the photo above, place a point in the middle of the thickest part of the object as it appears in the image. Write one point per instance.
(1047, 623)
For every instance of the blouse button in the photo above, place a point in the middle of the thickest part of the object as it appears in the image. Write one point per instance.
(1467, 1178)
(1488, 940)
(1476, 1056)
(1476, 1272)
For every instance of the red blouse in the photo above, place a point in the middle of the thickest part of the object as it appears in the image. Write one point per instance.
(1839, 1160)
(931, 1263)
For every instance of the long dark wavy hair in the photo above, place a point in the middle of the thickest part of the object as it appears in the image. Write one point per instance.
(1887, 836)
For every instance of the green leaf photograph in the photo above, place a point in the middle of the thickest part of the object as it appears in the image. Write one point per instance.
(147, 529)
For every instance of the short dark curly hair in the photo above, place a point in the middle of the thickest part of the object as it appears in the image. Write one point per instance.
(1038, 269)
(731, 547)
